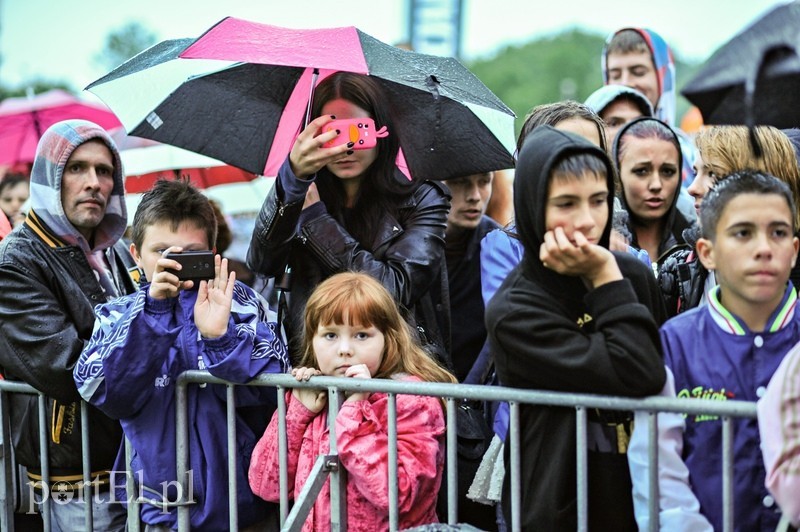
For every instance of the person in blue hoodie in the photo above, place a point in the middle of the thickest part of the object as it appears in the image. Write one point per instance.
(142, 342)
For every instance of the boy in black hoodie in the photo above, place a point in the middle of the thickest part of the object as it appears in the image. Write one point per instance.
(573, 317)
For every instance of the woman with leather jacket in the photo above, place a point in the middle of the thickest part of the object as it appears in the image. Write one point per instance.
(342, 208)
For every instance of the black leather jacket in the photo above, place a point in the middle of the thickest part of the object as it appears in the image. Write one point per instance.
(47, 295)
(406, 256)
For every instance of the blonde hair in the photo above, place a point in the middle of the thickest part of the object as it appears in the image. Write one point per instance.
(356, 298)
(727, 149)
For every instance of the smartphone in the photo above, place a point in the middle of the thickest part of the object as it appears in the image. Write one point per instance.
(360, 131)
(196, 265)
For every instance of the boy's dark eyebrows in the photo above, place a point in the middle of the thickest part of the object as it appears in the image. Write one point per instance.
(747, 224)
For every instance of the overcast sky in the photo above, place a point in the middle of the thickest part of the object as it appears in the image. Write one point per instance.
(60, 40)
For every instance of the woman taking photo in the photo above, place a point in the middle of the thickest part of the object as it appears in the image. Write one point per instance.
(648, 158)
(342, 208)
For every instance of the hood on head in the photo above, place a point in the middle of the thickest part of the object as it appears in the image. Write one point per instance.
(794, 138)
(665, 71)
(673, 210)
(608, 94)
(54, 150)
(542, 148)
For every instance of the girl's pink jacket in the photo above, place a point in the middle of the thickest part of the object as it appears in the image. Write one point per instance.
(362, 437)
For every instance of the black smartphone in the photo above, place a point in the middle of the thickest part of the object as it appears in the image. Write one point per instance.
(196, 265)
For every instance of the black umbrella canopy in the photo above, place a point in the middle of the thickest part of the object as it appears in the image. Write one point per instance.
(227, 100)
(755, 77)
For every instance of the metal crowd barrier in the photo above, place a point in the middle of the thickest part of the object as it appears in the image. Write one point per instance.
(327, 466)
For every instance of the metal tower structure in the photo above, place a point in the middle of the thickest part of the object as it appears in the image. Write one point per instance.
(435, 26)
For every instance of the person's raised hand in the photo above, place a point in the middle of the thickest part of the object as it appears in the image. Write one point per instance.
(165, 284)
(212, 309)
(308, 156)
(314, 400)
(578, 258)
(312, 196)
(358, 371)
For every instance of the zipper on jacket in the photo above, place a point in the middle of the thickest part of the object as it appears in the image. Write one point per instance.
(324, 256)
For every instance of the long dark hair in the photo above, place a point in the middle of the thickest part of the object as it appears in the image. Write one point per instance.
(381, 188)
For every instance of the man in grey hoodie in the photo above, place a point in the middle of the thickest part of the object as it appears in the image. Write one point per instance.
(66, 258)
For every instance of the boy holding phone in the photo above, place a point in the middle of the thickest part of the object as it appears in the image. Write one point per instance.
(141, 343)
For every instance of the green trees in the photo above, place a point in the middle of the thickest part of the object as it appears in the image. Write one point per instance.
(565, 65)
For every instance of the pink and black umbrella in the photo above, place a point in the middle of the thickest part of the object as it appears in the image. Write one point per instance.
(239, 93)
(23, 120)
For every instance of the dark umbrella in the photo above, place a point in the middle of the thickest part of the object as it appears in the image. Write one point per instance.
(239, 93)
(755, 77)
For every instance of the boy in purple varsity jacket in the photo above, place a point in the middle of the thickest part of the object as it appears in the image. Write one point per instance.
(730, 348)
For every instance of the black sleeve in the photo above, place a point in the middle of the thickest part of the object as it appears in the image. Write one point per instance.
(537, 347)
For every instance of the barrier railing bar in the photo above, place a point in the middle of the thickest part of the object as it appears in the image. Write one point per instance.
(733, 408)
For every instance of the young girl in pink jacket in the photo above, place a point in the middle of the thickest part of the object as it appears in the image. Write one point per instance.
(353, 329)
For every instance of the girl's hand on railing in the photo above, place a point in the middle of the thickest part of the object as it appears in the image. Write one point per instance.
(359, 371)
(314, 400)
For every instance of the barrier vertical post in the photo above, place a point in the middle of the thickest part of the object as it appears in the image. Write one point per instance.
(45, 462)
(727, 474)
(283, 454)
(7, 472)
(87, 467)
(338, 478)
(394, 515)
(182, 453)
(232, 455)
(132, 497)
(582, 468)
(452, 462)
(516, 484)
(653, 506)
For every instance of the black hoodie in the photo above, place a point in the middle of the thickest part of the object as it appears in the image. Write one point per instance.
(550, 332)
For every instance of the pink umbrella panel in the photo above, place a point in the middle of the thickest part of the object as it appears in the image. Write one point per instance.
(23, 120)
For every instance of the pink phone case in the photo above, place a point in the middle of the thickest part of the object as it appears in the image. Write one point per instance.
(360, 131)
